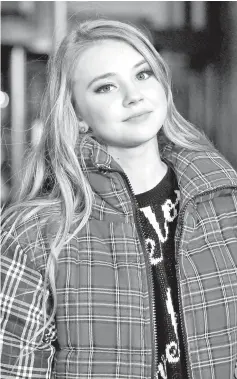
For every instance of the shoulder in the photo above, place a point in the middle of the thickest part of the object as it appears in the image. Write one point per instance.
(207, 169)
(204, 160)
(200, 174)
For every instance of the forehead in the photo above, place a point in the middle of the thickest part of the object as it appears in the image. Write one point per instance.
(106, 56)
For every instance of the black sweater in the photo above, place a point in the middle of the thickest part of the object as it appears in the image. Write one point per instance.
(158, 211)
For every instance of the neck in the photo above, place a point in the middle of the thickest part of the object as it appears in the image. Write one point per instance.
(142, 164)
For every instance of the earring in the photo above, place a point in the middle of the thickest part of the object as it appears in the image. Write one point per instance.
(83, 128)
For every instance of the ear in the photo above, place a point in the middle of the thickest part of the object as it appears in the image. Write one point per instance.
(83, 127)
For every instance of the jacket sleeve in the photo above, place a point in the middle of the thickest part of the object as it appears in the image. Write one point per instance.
(22, 317)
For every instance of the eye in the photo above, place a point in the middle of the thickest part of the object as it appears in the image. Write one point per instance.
(145, 74)
(105, 88)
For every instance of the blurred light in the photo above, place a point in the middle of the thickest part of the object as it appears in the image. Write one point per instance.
(4, 99)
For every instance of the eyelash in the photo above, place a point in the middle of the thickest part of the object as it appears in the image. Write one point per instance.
(149, 72)
(100, 89)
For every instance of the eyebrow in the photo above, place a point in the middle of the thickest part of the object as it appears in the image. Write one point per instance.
(108, 74)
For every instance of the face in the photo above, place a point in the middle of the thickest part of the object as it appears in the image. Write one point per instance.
(117, 95)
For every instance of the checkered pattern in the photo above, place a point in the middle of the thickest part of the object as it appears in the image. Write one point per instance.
(21, 317)
(103, 311)
(208, 261)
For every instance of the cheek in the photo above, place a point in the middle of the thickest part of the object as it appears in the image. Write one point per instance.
(159, 101)
(159, 96)
(97, 115)
(105, 110)
(90, 109)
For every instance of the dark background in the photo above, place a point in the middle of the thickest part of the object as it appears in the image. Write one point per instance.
(198, 39)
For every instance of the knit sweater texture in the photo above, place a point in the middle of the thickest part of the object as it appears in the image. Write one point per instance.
(158, 211)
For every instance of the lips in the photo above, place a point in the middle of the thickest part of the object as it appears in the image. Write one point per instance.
(137, 115)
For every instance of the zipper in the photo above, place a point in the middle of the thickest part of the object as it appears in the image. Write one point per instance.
(181, 315)
(151, 287)
(177, 263)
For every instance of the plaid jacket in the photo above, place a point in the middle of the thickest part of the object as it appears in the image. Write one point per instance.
(104, 319)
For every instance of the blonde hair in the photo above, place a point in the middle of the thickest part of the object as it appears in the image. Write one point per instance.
(53, 175)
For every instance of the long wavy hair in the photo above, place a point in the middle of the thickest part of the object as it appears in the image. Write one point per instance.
(53, 175)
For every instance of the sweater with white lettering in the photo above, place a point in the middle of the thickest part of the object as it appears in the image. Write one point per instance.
(158, 210)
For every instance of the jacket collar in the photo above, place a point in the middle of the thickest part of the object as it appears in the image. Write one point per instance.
(200, 173)
(95, 155)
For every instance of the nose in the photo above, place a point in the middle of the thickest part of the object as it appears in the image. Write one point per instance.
(132, 95)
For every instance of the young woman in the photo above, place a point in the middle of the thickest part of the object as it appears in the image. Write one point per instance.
(119, 256)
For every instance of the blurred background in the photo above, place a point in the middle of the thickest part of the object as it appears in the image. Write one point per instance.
(198, 39)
